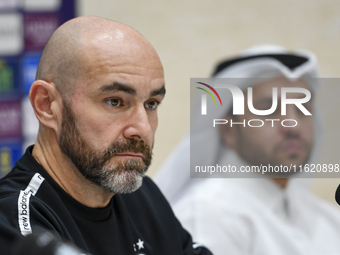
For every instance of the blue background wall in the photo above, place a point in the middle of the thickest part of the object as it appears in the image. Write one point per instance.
(25, 27)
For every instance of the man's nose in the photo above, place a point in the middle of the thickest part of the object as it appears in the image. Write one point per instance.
(138, 125)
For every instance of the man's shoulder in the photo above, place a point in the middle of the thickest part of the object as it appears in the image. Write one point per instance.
(213, 190)
(15, 181)
(22, 182)
(308, 201)
(215, 197)
(26, 171)
(18, 192)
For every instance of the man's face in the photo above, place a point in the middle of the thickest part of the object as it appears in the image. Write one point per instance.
(110, 121)
(275, 145)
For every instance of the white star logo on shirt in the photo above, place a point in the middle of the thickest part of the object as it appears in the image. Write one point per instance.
(140, 244)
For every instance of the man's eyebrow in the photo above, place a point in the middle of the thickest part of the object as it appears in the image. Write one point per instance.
(160, 91)
(118, 87)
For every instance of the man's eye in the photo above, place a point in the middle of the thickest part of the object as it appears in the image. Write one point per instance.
(151, 104)
(115, 102)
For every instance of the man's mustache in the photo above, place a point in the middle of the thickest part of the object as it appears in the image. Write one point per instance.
(304, 144)
(126, 146)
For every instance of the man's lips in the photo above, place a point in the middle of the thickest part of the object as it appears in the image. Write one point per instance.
(129, 154)
(292, 147)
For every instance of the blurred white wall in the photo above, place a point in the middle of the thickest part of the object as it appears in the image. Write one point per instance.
(191, 36)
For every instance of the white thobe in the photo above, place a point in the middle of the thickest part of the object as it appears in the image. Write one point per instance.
(257, 217)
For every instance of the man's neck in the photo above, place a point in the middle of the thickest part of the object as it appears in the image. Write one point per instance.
(68, 177)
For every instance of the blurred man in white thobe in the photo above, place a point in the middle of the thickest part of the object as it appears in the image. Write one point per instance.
(258, 216)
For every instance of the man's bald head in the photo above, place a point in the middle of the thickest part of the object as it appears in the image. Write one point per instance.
(98, 87)
(67, 55)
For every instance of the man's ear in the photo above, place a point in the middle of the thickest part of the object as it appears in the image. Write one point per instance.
(47, 104)
(229, 134)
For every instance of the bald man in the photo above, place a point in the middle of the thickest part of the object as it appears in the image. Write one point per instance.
(98, 87)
